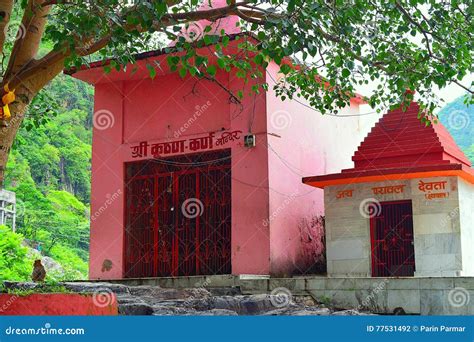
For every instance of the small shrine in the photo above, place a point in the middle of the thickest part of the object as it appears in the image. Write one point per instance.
(405, 208)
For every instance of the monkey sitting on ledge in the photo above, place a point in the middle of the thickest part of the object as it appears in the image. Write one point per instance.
(39, 273)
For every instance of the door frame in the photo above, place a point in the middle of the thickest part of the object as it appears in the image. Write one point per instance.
(175, 186)
(373, 219)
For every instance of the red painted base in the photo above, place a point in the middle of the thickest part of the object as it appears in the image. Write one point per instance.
(58, 304)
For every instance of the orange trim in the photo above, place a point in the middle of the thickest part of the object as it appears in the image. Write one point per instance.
(394, 176)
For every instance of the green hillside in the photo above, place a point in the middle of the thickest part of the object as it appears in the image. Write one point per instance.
(49, 169)
(459, 120)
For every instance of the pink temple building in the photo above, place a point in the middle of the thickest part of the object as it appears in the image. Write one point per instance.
(185, 181)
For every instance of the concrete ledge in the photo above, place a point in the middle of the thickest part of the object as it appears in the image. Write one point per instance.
(57, 304)
(179, 282)
(420, 295)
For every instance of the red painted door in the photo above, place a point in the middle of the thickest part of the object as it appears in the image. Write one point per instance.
(178, 216)
(393, 251)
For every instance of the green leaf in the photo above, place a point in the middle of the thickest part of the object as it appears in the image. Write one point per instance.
(221, 63)
(285, 69)
(291, 5)
(211, 70)
(258, 59)
(225, 41)
(151, 71)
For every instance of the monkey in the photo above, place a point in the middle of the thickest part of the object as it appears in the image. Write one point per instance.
(399, 311)
(39, 273)
(106, 265)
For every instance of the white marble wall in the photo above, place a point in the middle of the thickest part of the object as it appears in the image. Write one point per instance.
(466, 217)
(436, 227)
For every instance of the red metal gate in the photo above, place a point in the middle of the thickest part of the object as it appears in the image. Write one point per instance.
(178, 216)
(392, 240)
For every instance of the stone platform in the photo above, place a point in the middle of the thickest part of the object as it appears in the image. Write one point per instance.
(424, 295)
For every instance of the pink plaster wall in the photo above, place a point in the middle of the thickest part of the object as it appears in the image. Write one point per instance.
(106, 234)
(269, 200)
(301, 141)
(155, 110)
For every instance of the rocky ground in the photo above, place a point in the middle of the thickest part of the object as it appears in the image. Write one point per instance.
(154, 300)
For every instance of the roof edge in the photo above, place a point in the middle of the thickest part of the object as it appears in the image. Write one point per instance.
(459, 170)
(358, 98)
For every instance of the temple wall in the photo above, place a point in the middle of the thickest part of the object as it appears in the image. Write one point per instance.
(164, 110)
(436, 227)
(107, 190)
(302, 142)
(466, 217)
(272, 210)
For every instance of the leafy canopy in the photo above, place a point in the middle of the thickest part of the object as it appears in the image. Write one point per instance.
(337, 45)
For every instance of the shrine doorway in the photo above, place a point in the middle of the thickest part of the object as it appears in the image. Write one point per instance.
(393, 253)
(178, 216)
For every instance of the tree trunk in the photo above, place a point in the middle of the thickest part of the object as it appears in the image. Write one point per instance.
(8, 133)
(5, 12)
(24, 94)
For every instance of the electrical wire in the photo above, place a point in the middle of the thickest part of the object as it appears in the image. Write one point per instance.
(172, 163)
(313, 109)
(285, 162)
(269, 188)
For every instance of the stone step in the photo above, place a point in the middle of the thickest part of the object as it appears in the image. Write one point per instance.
(216, 301)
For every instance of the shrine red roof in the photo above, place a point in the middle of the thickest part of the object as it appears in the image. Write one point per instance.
(400, 146)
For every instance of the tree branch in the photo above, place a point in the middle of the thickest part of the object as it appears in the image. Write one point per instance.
(6, 7)
(52, 57)
(469, 90)
(31, 32)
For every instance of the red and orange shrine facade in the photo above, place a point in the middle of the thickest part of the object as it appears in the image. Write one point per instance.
(187, 182)
(405, 208)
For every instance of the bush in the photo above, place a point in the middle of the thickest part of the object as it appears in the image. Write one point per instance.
(15, 264)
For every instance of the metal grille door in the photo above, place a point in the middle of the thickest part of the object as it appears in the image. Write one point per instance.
(392, 240)
(178, 216)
